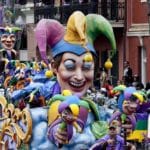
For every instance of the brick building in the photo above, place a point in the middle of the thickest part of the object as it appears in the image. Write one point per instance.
(129, 19)
(137, 42)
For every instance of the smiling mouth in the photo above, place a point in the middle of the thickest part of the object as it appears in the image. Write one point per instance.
(8, 45)
(131, 110)
(77, 85)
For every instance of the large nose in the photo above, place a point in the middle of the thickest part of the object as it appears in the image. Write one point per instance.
(8, 39)
(79, 75)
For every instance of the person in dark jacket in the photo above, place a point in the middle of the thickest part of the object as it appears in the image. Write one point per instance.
(128, 78)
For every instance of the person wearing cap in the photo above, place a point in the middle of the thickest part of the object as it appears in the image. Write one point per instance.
(111, 141)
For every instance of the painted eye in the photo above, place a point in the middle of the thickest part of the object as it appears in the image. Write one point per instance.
(12, 37)
(69, 64)
(4, 37)
(87, 65)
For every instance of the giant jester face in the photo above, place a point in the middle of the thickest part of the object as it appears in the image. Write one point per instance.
(75, 74)
(8, 41)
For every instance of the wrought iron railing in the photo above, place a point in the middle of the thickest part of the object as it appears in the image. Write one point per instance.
(114, 11)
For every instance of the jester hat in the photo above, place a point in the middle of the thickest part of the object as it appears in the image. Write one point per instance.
(9, 30)
(78, 37)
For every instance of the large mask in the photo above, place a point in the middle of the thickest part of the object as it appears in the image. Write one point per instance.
(8, 41)
(8, 37)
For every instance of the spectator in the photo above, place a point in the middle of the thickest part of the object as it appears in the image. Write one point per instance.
(127, 73)
(112, 140)
(97, 81)
(120, 82)
(140, 86)
(147, 89)
(136, 80)
(103, 77)
(147, 86)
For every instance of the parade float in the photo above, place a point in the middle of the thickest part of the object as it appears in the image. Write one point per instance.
(38, 104)
(29, 122)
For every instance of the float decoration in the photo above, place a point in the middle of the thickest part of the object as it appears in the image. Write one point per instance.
(51, 33)
(108, 64)
(8, 40)
(97, 25)
(15, 123)
(68, 113)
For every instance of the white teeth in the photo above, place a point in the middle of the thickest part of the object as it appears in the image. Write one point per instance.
(77, 84)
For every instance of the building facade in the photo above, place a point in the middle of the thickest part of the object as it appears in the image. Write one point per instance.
(130, 22)
(137, 42)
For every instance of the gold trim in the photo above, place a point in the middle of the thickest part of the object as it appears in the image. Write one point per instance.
(12, 120)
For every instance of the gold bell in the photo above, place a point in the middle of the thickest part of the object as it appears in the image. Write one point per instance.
(108, 64)
(88, 57)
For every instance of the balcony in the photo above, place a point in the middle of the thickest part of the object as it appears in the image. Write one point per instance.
(113, 11)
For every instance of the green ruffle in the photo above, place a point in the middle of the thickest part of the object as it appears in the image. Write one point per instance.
(93, 107)
(99, 129)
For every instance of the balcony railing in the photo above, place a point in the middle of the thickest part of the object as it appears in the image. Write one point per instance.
(114, 11)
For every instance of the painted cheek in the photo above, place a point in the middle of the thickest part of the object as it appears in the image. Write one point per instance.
(64, 74)
(89, 75)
